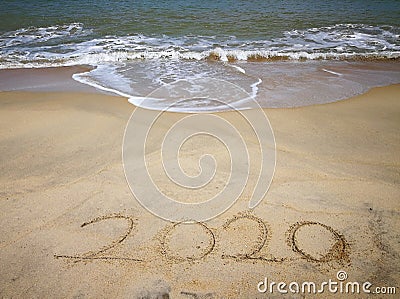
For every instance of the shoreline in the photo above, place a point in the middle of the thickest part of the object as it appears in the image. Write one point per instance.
(200, 149)
(337, 174)
(60, 79)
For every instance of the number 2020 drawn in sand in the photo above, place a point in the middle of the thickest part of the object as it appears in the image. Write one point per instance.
(338, 251)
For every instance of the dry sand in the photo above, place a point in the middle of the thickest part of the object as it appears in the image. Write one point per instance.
(70, 226)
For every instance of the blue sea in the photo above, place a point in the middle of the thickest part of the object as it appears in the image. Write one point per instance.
(282, 53)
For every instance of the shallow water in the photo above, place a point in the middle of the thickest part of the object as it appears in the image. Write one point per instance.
(283, 53)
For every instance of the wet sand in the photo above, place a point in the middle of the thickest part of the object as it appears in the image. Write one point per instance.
(70, 226)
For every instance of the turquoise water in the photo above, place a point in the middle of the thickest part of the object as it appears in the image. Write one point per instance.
(269, 48)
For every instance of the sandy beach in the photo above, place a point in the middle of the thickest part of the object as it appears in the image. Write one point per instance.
(71, 228)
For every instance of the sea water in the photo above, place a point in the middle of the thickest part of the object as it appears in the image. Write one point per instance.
(282, 53)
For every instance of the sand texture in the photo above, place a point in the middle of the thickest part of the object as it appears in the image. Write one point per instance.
(71, 228)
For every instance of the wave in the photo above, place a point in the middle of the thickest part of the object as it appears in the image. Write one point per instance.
(73, 44)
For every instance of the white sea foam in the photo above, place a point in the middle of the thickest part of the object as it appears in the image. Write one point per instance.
(134, 65)
(238, 68)
(87, 78)
(254, 88)
(332, 72)
(74, 44)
